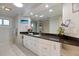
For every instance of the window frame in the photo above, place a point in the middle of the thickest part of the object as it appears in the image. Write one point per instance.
(3, 22)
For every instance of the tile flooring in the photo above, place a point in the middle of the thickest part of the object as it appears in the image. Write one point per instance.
(26, 51)
(9, 49)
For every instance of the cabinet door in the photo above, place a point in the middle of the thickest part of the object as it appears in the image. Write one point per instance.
(25, 41)
(55, 49)
(28, 42)
(31, 41)
(49, 48)
(19, 41)
(44, 47)
(36, 45)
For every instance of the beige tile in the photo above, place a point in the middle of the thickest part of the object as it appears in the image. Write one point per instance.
(26, 51)
(10, 50)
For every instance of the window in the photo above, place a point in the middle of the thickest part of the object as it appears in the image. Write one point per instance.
(5, 22)
(0, 21)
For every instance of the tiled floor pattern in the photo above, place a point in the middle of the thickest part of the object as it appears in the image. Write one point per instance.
(26, 51)
(12, 50)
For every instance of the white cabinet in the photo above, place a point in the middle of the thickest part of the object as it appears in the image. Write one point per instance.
(49, 48)
(31, 43)
(35, 43)
(42, 47)
(19, 39)
(55, 48)
(27, 41)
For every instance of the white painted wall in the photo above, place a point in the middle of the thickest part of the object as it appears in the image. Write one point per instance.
(45, 26)
(7, 32)
(54, 24)
(73, 29)
(4, 34)
(37, 26)
(12, 29)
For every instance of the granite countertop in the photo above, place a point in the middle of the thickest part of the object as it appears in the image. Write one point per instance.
(55, 37)
(52, 37)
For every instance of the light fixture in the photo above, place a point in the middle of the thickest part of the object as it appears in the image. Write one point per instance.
(42, 16)
(36, 15)
(7, 9)
(50, 10)
(31, 13)
(46, 6)
(18, 4)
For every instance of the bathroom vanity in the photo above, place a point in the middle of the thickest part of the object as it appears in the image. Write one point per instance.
(42, 45)
(49, 44)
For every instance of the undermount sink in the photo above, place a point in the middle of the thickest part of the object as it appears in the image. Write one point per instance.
(36, 35)
(31, 33)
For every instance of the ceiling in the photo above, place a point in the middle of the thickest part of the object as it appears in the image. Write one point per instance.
(35, 8)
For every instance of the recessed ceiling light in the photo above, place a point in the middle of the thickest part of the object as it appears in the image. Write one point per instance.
(50, 10)
(42, 16)
(31, 13)
(7, 9)
(46, 6)
(18, 4)
(36, 15)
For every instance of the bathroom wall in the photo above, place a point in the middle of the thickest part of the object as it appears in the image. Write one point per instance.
(37, 26)
(7, 32)
(54, 24)
(73, 28)
(45, 26)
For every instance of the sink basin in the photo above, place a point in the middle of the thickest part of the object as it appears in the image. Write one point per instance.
(31, 33)
(37, 35)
